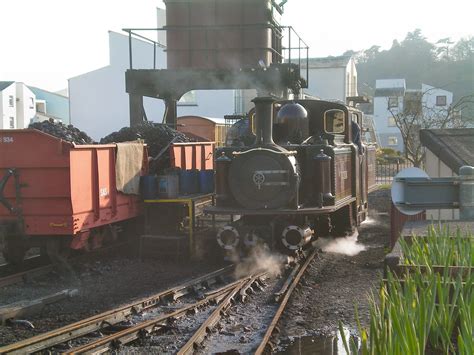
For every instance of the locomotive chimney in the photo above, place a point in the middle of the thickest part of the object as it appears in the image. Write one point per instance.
(264, 120)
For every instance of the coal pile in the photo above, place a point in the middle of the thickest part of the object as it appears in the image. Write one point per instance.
(156, 135)
(66, 132)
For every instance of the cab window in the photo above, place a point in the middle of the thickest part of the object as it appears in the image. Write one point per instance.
(334, 122)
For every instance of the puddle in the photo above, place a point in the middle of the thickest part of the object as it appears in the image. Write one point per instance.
(320, 345)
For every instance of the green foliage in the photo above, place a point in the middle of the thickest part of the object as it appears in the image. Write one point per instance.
(426, 312)
(443, 64)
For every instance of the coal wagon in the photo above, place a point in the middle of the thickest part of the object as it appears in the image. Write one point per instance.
(59, 195)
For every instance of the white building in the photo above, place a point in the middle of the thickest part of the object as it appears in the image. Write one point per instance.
(332, 78)
(99, 104)
(392, 97)
(17, 105)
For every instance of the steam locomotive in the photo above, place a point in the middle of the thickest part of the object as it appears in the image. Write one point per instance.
(306, 175)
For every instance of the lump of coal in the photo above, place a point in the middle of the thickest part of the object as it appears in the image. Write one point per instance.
(156, 135)
(67, 132)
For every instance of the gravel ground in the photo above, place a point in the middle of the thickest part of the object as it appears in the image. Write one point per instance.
(336, 282)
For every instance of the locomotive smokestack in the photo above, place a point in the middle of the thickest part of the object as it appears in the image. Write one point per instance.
(264, 120)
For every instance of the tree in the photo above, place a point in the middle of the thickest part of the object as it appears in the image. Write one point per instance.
(463, 49)
(442, 50)
(417, 113)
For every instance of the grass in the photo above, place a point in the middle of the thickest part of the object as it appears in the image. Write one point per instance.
(424, 312)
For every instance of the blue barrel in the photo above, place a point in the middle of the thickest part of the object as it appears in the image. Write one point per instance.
(149, 187)
(188, 182)
(206, 181)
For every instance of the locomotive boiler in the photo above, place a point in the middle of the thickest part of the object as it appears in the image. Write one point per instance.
(307, 175)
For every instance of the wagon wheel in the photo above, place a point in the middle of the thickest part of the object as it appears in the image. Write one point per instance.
(14, 251)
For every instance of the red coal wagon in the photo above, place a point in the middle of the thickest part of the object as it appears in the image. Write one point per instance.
(57, 194)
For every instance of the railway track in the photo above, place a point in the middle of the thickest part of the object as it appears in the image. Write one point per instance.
(109, 322)
(283, 297)
(240, 292)
(197, 307)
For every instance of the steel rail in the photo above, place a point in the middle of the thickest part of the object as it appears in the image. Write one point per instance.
(209, 324)
(108, 318)
(271, 328)
(112, 342)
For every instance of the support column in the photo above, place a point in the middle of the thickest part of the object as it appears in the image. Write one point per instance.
(171, 116)
(136, 109)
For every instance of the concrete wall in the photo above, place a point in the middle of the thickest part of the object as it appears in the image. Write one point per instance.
(434, 167)
(98, 102)
(327, 83)
(429, 100)
(7, 111)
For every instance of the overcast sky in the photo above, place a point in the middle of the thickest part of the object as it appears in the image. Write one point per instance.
(45, 42)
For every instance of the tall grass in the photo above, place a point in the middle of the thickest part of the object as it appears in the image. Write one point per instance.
(439, 248)
(424, 312)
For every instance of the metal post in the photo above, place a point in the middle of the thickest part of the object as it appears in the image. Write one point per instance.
(130, 48)
(154, 55)
(289, 44)
(466, 193)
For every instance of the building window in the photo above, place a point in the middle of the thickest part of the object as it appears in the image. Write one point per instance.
(12, 122)
(11, 101)
(392, 102)
(392, 141)
(392, 122)
(441, 100)
(32, 102)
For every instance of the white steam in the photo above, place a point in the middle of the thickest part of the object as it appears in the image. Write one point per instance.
(341, 245)
(260, 259)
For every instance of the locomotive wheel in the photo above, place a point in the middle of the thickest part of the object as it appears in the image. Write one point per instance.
(342, 221)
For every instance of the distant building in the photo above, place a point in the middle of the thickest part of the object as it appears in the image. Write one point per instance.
(21, 104)
(446, 151)
(332, 78)
(392, 97)
(17, 105)
(204, 128)
(51, 105)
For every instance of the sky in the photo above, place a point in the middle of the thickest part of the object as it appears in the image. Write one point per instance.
(45, 42)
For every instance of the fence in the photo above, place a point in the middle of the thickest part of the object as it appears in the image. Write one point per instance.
(385, 172)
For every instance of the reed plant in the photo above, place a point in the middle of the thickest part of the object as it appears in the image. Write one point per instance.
(439, 248)
(425, 312)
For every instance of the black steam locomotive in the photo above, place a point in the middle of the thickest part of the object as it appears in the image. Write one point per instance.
(307, 175)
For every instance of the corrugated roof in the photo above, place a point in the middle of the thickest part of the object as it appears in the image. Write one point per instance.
(5, 84)
(454, 146)
(327, 62)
